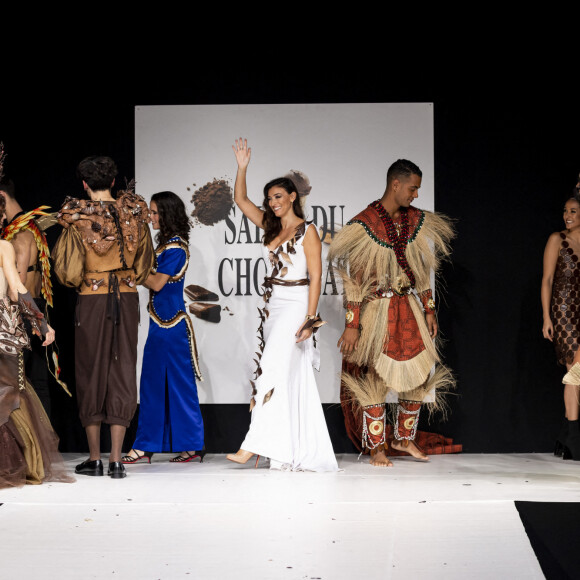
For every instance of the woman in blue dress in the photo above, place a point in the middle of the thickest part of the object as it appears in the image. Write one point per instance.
(169, 415)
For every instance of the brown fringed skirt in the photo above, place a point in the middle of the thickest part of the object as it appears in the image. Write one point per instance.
(28, 444)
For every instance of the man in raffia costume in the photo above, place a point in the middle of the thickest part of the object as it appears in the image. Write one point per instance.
(104, 251)
(385, 256)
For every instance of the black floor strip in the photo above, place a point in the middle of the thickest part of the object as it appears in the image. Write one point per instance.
(553, 529)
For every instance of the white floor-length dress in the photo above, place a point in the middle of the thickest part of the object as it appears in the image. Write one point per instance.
(289, 428)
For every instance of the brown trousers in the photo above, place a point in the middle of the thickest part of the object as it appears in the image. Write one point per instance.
(106, 359)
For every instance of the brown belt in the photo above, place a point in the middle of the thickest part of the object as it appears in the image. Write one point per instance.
(389, 293)
(101, 282)
(269, 282)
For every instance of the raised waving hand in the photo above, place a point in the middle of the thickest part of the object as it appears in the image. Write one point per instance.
(242, 152)
(249, 209)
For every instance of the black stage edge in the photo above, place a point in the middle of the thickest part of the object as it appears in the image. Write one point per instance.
(553, 529)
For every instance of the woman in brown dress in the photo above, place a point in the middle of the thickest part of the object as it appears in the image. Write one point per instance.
(28, 445)
(561, 309)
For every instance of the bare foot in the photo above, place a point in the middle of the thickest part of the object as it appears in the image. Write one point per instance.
(410, 448)
(380, 459)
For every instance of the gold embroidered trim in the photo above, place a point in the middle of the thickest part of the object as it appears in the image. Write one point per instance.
(171, 323)
(172, 245)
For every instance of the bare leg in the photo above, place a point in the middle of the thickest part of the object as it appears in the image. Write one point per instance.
(571, 392)
(117, 436)
(94, 440)
(565, 409)
(571, 443)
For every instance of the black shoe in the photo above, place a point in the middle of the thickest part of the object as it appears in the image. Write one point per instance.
(116, 470)
(90, 467)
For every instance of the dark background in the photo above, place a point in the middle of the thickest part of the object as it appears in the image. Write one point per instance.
(506, 159)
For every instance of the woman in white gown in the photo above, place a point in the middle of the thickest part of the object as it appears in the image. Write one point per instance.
(288, 424)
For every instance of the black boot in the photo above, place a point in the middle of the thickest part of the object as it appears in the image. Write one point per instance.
(572, 443)
(561, 439)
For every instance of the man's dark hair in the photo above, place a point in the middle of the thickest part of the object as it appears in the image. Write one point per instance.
(97, 172)
(402, 168)
(8, 187)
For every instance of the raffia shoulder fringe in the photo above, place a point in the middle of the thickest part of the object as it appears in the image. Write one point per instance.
(356, 249)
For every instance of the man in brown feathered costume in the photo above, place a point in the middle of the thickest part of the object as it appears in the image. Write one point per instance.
(385, 256)
(104, 251)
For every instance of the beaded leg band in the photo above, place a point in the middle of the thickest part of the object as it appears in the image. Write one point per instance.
(407, 420)
(373, 428)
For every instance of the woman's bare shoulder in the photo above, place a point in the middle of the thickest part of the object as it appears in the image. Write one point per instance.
(556, 237)
(6, 246)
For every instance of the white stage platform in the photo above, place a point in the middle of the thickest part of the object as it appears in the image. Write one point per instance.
(451, 518)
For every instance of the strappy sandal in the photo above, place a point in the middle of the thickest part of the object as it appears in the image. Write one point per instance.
(183, 459)
(130, 459)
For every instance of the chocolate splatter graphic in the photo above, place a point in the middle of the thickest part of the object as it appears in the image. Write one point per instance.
(300, 180)
(213, 202)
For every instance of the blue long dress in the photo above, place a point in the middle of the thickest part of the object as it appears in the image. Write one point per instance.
(169, 415)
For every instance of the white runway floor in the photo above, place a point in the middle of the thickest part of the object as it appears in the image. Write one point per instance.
(451, 518)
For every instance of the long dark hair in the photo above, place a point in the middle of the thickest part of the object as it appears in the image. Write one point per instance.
(272, 224)
(173, 219)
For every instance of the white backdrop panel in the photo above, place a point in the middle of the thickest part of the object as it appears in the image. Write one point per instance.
(343, 149)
